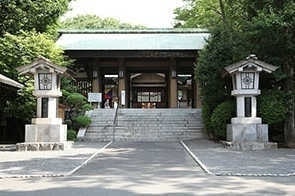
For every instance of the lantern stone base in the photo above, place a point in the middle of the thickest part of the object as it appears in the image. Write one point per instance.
(43, 146)
(248, 146)
(44, 134)
(248, 137)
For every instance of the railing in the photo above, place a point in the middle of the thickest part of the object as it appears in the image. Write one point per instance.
(115, 121)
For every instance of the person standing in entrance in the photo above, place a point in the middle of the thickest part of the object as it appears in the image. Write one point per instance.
(107, 104)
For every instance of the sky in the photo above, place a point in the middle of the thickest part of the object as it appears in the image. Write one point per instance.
(149, 13)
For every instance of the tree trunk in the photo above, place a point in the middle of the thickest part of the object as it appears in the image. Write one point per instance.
(289, 128)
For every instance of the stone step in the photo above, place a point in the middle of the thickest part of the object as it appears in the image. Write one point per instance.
(145, 125)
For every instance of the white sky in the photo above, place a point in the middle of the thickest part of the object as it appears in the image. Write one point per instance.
(150, 13)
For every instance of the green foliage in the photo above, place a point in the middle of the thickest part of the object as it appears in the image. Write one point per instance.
(87, 107)
(239, 28)
(82, 121)
(76, 104)
(24, 105)
(25, 15)
(22, 49)
(273, 107)
(215, 85)
(95, 22)
(76, 100)
(208, 13)
(71, 135)
(220, 117)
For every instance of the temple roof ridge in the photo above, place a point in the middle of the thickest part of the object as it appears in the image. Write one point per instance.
(135, 31)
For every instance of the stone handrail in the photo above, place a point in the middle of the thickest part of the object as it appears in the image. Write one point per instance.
(115, 121)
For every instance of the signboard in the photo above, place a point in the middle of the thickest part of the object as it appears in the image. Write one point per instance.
(94, 97)
(123, 97)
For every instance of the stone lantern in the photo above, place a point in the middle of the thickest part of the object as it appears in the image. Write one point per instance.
(246, 131)
(46, 131)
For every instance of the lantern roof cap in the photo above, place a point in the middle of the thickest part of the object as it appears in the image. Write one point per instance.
(251, 62)
(41, 63)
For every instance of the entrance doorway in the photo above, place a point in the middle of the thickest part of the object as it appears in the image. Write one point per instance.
(110, 90)
(148, 90)
(184, 91)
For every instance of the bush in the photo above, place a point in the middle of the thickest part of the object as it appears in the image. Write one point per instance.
(87, 107)
(71, 135)
(206, 114)
(220, 117)
(75, 99)
(83, 121)
(272, 106)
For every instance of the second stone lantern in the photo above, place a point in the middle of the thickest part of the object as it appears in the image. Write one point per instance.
(246, 131)
(46, 131)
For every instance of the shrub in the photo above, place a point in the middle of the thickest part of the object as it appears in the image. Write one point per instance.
(82, 121)
(86, 107)
(76, 99)
(206, 114)
(71, 135)
(272, 106)
(220, 117)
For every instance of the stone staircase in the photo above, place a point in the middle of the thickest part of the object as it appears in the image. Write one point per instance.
(145, 125)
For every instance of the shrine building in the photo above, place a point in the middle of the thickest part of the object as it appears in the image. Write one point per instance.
(149, 68)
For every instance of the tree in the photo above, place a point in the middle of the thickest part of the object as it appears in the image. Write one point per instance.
(272, 34)
(25, 15)
(239, 28)
(96, 22)
(22, 49)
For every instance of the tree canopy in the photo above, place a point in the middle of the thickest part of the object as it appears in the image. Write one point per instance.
(96, 22)
(27, 15)
(24, 26)
(239, 28)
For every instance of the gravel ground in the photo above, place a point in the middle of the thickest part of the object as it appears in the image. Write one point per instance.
(40, 163)
(222, 161)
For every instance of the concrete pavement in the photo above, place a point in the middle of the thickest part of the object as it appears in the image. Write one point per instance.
(46, 163)
(221, 161)
(146, 169)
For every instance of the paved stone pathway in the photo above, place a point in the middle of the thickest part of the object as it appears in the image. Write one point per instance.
(145, 169)
(222, 161)
(138, 159)
(45, 163)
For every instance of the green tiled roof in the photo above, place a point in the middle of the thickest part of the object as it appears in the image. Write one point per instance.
(145, 39)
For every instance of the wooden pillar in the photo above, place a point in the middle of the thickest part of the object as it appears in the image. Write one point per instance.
(96, 81)
(122, 86)
(173, 85)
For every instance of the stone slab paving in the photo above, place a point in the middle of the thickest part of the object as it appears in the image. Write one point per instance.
(145, 169)
(221, 161)
(137, 159)
(45, 163)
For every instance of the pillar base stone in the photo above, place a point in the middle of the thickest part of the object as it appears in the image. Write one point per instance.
(43, 146)
(250, 146)
(44, 134)
(248, 137)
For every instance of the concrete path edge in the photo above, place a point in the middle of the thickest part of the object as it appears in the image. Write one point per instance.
(196, 159)
(60, 174)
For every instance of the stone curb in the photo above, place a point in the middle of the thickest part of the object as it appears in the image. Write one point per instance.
(89, 159)
(59, 174)
(198, 161)
(255, 175)
(195, 158)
